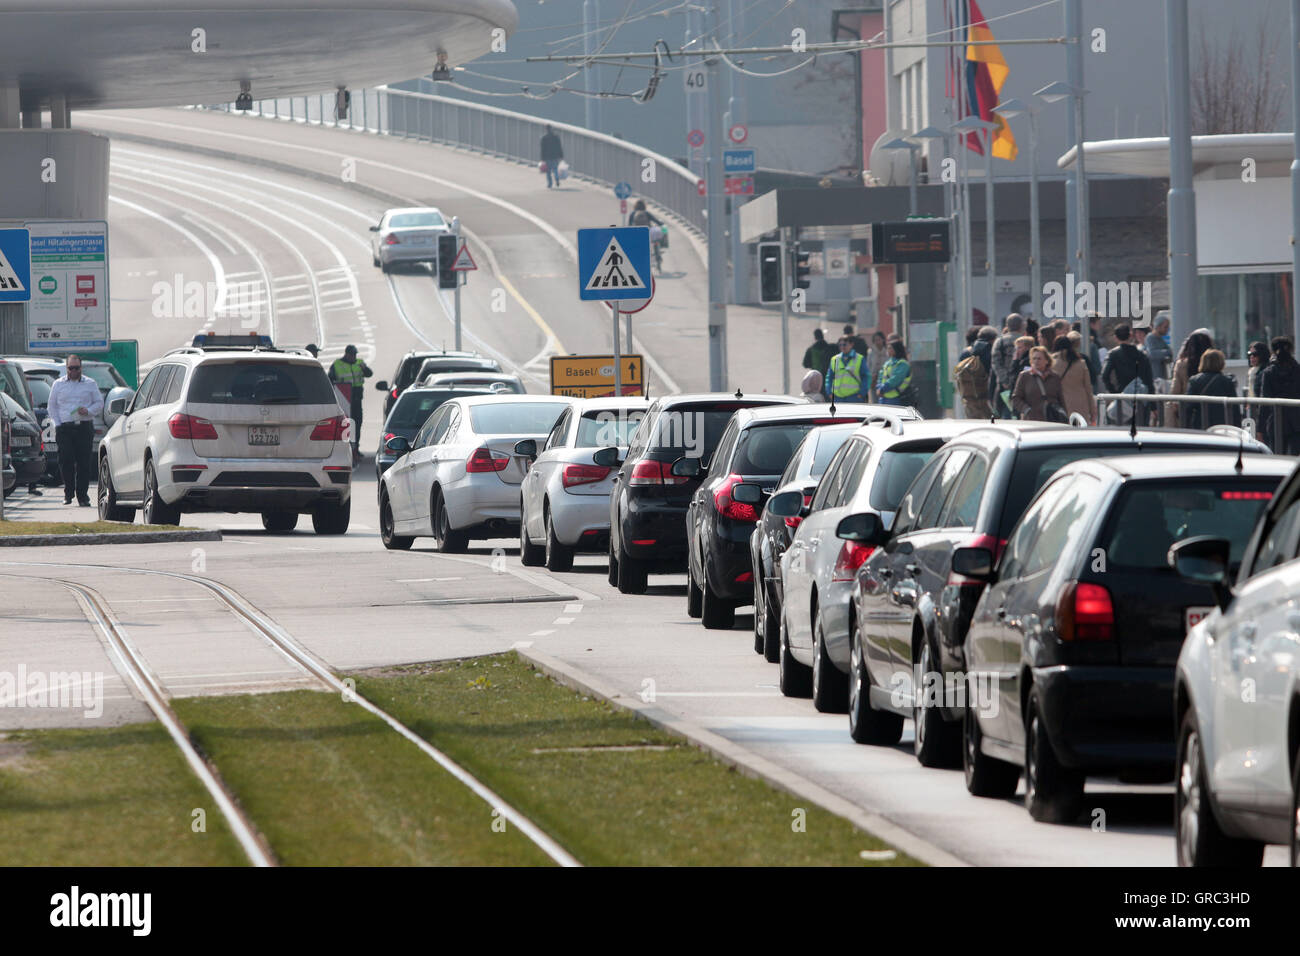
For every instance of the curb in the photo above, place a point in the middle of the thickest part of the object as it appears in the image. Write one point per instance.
(744, 760)
(125, 537)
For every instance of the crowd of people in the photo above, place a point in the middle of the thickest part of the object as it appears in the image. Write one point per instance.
(1054, 371)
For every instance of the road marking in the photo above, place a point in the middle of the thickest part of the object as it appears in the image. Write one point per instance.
(542, 633)
(572, 608)
(563, 620)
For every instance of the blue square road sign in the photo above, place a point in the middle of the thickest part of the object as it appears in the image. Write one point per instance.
(614, 263)
(15, 265)
(738, 161)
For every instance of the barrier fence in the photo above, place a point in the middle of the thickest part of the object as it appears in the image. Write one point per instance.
(1241, 411)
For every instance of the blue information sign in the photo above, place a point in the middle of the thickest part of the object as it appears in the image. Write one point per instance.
(623, 190)
(738, 161)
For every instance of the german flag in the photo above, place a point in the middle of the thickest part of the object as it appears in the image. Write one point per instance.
(986, 71)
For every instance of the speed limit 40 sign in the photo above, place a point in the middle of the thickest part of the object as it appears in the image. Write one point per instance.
(696, 79)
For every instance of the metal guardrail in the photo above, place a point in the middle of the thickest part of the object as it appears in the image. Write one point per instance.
(1275, 441)
(594, 157)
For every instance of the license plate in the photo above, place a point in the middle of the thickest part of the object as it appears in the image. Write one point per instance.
(263, 435)
(20, 442)
(1194, 615)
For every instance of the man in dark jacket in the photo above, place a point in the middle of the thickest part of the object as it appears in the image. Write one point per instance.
(1280, 378)
(1004, 356)
(1125, 363)
(552, 153)
(818, 355)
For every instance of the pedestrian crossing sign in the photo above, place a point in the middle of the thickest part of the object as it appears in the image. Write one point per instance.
(15, 265)
(614, 263)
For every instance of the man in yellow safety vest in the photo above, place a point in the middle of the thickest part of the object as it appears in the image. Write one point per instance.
(846, 376)
(350, 374)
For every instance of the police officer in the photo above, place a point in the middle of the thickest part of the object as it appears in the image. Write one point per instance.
(350, 373)
(846, 376)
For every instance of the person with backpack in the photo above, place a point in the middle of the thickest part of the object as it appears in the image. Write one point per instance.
(1076, 383)
(818, 355)
(1280, 379)
(894, 386)
(1004, 354)
(1211, 381)
(846, 377)
(972, 374)
(1038, 396)
(1188, 364)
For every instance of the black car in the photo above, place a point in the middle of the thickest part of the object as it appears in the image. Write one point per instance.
(754, 450)
(911, 607)
(1071, 649)
(40, 389)
(26, 453)
(413, 368)
(412, 410)
(772, 535)
(648, 505)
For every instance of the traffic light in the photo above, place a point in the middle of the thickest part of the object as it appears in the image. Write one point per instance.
(801, 269)
(769, 272)
(448, 245)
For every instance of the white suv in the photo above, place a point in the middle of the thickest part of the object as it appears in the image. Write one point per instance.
(1237, 695)
(234, 431)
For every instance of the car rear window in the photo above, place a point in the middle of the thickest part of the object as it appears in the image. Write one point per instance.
(414, 408)
(1150, 516)
(692, 429)
(407, 220)
(439, 366)
(105, 376)
(516, 418)
(261, 383)
(1034, 466)
(600, 429)
(829, 439)
(40, 387)
(766, 449)
(899, 466)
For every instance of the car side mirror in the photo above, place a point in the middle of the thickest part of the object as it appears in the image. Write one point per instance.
(973, 563)
(374, 228)
(607, 458)
(117, 404)
(864, 527)
(526, 447)
(397, 445)
(788, 504)
(1204, 559)
(747, 494)
(688, 468)
(381, 386)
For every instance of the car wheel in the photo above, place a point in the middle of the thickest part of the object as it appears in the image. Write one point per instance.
(759, 605)
(985, 776)
(796, 678)
(279, 521)
(612, 575)
(156, 511)
(716, 613)
(830, 689)
(530, 555)
(385, 267)
(631, 574)
(1295, 815)
(331, 517)
(1197, 835)
(1053, 793)
(393, 542)
(444, 538)
(694, 596)
(936, 742)
(866, 724)
(558, 557)
(106, 497)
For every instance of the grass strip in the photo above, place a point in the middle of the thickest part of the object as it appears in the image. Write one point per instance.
(656, 800)
(119, 796)
(21, 527)
(328, 784)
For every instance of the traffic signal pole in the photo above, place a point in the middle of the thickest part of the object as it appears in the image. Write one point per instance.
(717, 317)
(785, 322)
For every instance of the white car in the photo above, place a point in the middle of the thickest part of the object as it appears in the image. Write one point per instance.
(252, 430)
(407, 235)
(459, 477)
(1237, 695)
(565, 495)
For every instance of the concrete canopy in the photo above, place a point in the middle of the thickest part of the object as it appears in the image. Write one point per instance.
(1149, 156)
(134, 53)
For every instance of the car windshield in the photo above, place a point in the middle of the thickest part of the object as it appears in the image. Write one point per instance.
(414, 407)
(407, 220)
(500, 383)
(828, 440)
(516, 418)
(261, 383)
(610, 426)
(899, 465)
(105, 376)
(1151, 516)
(440, 365)
(40, 387)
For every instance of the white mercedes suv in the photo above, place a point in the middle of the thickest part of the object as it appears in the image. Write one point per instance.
(257, 430)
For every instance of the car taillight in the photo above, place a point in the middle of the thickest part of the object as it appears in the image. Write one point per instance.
(655, 473)
(986, 541)
(482, 461)
(583, 474)
(851, 557)
(191, 427)
(330, 429)
(1085, 613)
(735, 510)
(795, 520)
(393, 393)
(391, 240)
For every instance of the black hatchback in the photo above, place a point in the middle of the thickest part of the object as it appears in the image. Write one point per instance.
(1071, 650)
(647, 508)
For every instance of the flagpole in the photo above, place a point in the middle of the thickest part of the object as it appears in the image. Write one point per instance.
(991, 257)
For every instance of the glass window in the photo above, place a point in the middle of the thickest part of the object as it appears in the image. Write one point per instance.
(141, 397)
(693, 429)
(102, 374)
(174, 385)
(414, 406)
(1239, 308)
(560, 432)
(728, 441)
(40, 386)
(852, 476)
(407, 220)
(834, 476)
(423, 436)
(964, 504)
(1280, 540)
(942, 487)
(446, 429)
(898, 468)
(829, 439)
(516, 418)
(601, 429)
(767, 449)
(260, 383)
(637, 443)
(1025, 533)
(1062, 526)
(910, 505)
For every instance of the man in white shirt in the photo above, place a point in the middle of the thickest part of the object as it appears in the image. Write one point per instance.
(74, 403)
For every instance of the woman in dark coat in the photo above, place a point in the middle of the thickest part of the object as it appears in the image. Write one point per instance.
(1210, 381)
(1280, 378)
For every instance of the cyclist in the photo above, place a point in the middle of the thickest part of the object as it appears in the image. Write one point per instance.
(640, 216)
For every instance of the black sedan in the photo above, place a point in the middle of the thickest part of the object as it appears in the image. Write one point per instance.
(25, 451)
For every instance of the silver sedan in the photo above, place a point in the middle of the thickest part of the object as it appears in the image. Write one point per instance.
(407, 235)
(565, 496)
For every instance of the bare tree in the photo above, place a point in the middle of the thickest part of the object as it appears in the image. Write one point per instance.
(1236, 89)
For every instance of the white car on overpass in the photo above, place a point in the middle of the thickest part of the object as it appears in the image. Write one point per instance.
(565, 495)
(459, 477)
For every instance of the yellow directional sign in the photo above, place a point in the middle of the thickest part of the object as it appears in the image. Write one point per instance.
(592, 376)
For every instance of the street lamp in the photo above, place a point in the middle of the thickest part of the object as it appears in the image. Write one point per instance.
(1054, 93)
(973, 124)
(911, 148)
(1009, 110)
